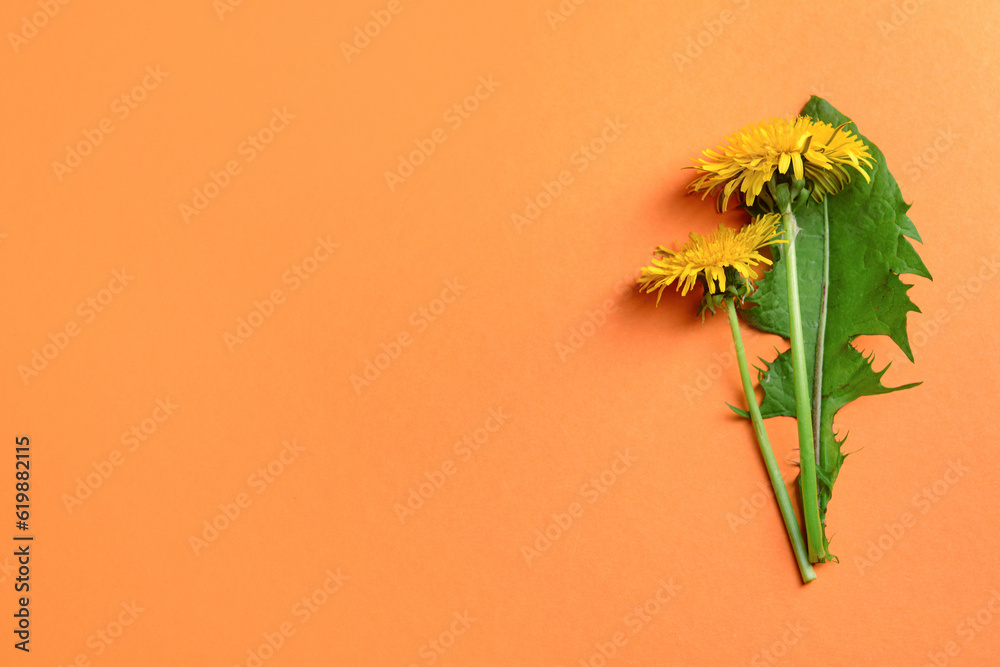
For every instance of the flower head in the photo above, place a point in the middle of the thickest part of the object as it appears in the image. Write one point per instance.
(710, 256)
(812, 150)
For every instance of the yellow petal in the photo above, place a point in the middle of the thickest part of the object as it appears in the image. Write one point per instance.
(797, 160)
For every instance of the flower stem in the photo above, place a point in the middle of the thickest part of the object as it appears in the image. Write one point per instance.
(803, 411)
(777, 482)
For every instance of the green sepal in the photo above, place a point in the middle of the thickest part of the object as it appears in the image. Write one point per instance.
(737, 288)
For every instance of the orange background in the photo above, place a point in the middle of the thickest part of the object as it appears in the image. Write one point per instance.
(540, 326)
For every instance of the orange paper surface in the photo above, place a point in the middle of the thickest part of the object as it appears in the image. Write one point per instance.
(320, 319)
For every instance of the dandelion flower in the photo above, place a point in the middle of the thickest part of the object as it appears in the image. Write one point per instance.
(709, 256)
(809, 149)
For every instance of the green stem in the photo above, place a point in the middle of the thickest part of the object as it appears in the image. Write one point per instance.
(777, 482)
(817, 407)
(803, 413)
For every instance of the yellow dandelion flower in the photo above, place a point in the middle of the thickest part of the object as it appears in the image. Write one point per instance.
(710, 256)
(812, 150)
